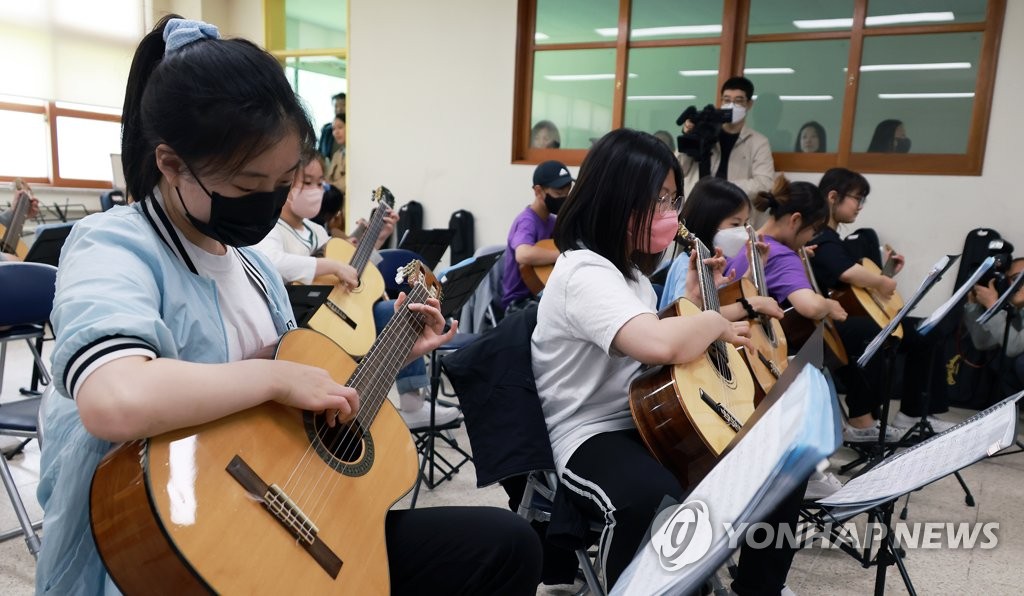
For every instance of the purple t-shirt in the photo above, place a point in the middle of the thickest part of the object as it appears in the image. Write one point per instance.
(527, 228)
(783, 270)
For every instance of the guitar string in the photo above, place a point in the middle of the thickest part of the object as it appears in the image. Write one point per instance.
(710, 291)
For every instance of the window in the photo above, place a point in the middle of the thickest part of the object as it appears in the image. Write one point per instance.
(826, 76)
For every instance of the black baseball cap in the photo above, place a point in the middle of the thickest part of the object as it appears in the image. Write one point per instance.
(552, 174)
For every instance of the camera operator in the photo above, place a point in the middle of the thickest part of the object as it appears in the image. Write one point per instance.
(740, 154)
(990, 335)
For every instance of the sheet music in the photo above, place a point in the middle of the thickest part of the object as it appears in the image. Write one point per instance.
(991, 312)
(933, 276)
(973, 439)
(785, 444)
(927, 324)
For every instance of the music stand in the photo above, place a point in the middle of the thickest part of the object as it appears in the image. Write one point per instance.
(457, 285)
(48, 242)
(429, 244)
(1003, 303)
(306, 300)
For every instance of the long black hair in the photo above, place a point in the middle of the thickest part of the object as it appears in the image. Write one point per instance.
(819, 130)
(788, 197)
(882, 139)
(710, 202)
(217, 102)
(619, 182)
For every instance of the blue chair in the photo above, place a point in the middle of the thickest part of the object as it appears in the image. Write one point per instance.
(111, 198)
(393, 259)
(26, 299)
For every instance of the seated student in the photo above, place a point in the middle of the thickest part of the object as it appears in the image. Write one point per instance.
(596, 329)
(551, 184)
(332, 212)
(990, 335)
(161, 307)
(290, 246)
(846, 192)
(6, 217)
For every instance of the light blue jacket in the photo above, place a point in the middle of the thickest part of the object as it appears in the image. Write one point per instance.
(675, 282)
(125, 283)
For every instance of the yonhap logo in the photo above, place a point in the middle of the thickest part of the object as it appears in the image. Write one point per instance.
(681, 534)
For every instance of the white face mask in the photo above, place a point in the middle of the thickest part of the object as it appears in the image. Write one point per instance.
(306, 202)
(731, 241)
(738, 112)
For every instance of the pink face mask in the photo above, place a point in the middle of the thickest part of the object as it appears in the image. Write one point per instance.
(663, 231)
(306, 202)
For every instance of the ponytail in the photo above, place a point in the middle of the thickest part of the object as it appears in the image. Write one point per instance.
(788, 197)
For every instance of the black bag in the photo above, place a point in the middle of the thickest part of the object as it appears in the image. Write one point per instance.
(410, 217)
(463, 239)
(864, 243)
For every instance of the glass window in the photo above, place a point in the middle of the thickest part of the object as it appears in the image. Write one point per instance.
(84, 148)
(667, 81)
(790, 16)
(572, 89)
(316, 80)
(916, 93)
(883, 13)
(574, 21)
(673, 19)
(798, 83)
(25, 152)
(315, 24)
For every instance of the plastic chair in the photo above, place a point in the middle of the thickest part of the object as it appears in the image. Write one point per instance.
(393, 259)
(111, 198)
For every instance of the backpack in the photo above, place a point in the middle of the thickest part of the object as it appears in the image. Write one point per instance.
(862, 243)
(410, 217)
(463, 236)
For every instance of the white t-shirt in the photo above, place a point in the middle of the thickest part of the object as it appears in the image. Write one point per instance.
(290, 250)
(583, 384)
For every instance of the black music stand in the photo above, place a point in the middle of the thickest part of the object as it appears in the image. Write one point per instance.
(457, 285)
(306, 300)
(48, 242)
(429, 244)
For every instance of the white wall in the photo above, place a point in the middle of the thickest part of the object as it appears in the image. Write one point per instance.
(430, 116)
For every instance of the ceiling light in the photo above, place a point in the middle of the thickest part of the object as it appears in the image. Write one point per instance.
(892, 19)
(925, 95)
(699, 73)
(777, 70)
(660, 97)
(923, 66)
(538, 36)
(806, 98)
(656, 31)
(585, 77)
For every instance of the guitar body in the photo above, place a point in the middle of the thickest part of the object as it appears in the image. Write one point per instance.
(679, 428)
(862, 301)
(768, 357)
(168, 516)
(347, 316)
(536, 276)
(798, 328)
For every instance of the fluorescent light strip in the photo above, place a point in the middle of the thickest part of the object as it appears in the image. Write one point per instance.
(925, 95)
(660, 97)
(776, 70)
(538, 36)
(699, 73)
(585, 77)
(892, 19)
(923, 66)
(806, 98)
(656, 31)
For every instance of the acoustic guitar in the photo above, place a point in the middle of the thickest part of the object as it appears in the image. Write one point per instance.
(767, 356)
(868, 302)
(268, 500)
(798, 328)
(688, 413)
(10, 236)
(347, 314)
(536, 276)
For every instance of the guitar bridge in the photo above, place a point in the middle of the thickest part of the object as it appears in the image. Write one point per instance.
(334, 308)
(722, 411)
(289, 514)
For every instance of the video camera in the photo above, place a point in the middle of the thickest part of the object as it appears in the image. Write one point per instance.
(706, 125)
(1002, 251)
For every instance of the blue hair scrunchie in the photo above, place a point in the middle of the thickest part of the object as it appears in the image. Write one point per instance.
(178, 33)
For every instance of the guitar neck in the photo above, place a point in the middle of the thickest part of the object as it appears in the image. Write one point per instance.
(369, 236)
(12, 234)
(756, 264)
(810, 272)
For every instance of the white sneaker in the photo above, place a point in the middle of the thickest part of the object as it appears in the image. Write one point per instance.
(852, 434)
(822, 485)
(420, 418)
(904, 423)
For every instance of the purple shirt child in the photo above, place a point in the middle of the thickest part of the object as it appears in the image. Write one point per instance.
(783, 270)
(527, 228)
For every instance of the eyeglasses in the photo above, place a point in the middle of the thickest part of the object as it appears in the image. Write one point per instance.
(738, 101)
(861, 199)
(667, 202)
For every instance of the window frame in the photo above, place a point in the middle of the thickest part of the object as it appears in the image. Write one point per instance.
(732, 43)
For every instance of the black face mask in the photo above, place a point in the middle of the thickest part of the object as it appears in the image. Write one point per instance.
(901, 145)
(239, 221)
(553, 204)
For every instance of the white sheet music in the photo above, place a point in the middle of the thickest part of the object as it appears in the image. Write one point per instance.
(973, 439)
(927, 324)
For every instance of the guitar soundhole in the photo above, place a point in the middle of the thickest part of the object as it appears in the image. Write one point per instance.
(719, 357)
(347, 447)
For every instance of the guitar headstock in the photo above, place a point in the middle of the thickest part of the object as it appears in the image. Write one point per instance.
(688, 240)
(384, 197)
(416, 274)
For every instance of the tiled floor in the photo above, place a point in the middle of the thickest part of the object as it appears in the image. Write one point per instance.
(996, 484)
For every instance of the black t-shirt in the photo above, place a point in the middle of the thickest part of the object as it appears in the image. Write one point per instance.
(831, 259)
(726, 141)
